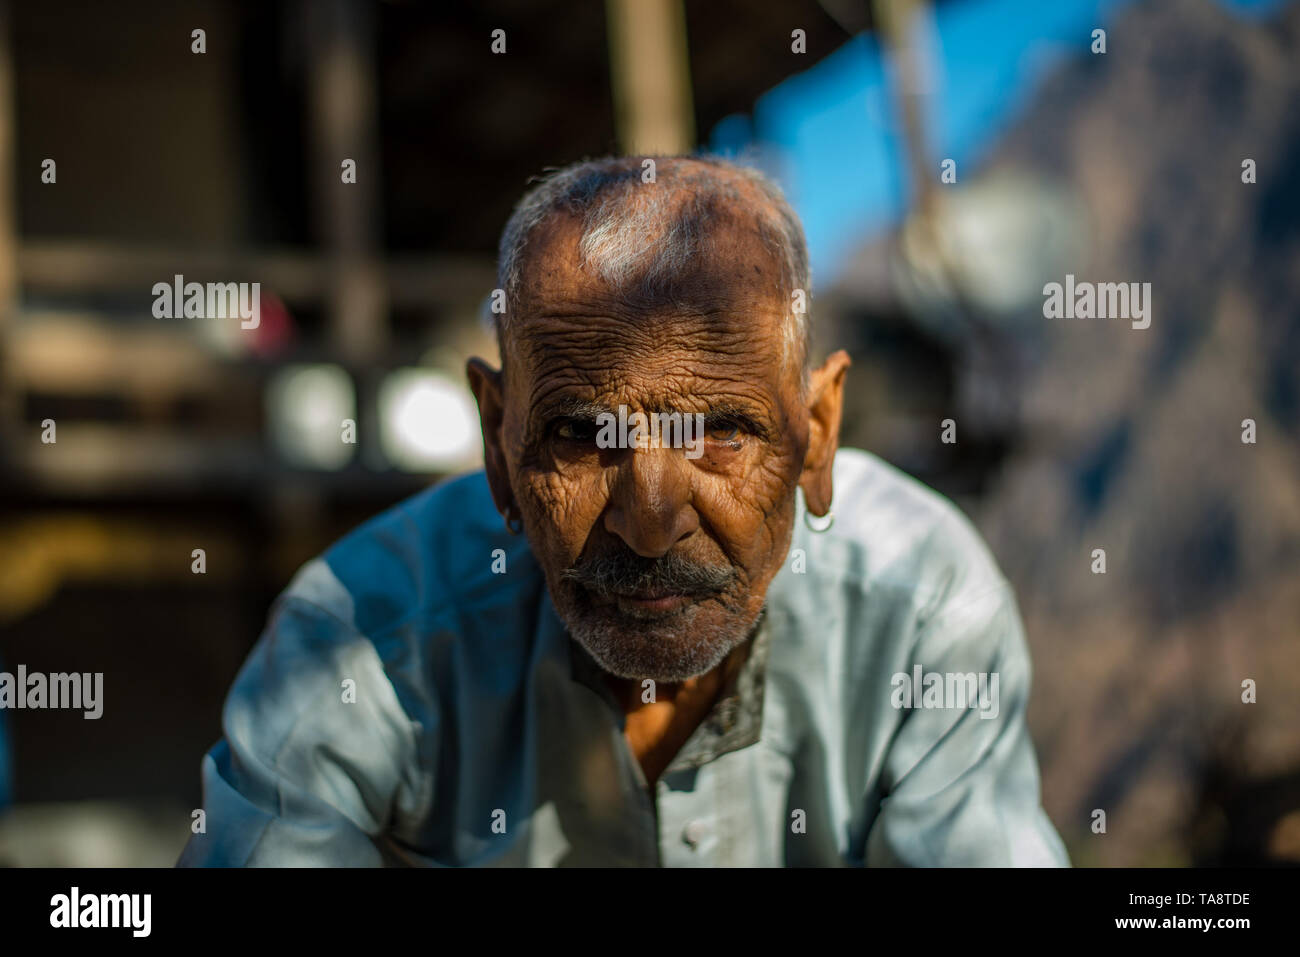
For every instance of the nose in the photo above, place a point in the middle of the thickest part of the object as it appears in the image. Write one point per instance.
(650, 509)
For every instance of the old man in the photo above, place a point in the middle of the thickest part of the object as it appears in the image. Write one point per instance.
(602, 650)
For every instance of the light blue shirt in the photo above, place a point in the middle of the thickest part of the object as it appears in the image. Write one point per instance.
(416, 699)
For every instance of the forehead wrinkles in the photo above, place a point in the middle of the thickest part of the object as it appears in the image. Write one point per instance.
(676, 392)
(596, 341)
(705, 361)
(725, 325)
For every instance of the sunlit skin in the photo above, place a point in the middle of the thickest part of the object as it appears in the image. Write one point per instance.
(717, 350)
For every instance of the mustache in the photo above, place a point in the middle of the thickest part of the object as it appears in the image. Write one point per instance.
(625, 572)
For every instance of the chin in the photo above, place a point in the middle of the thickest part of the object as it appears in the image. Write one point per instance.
(667, 648)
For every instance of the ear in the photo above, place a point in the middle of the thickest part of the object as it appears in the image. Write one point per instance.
(825, 406)
(487, 385)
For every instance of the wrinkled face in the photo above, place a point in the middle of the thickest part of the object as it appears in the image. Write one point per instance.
(657, 557)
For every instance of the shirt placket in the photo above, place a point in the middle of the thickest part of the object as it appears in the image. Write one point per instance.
(692, 803)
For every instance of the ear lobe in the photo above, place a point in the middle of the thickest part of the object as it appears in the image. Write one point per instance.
(825, 409)
(817, 491)
(486, 384)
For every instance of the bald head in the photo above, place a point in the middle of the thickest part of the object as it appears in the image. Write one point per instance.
(652, 241)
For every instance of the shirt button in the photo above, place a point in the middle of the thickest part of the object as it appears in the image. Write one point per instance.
(694, 833)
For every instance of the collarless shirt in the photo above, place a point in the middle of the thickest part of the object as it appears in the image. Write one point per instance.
(415, 699)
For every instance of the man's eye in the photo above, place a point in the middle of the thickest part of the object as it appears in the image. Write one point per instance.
(724, 432)
(575, 430)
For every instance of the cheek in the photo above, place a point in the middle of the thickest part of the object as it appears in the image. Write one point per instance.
(564, 504)
(780, 531)
(751, 513)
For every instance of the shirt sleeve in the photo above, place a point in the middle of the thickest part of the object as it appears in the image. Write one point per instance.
(316, 754)
(961, 782)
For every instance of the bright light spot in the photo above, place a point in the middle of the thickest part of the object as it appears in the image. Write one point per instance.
(427, 422)
(306, 407)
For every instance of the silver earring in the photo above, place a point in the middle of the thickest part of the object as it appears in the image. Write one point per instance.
(808, 520)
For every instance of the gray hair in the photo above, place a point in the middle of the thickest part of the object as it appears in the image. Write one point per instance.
(640, 238)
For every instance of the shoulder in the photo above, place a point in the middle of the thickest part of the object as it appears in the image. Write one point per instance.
(906, 534)
(429, 559)
(897, 555)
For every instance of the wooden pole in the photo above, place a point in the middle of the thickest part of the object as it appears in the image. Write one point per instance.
(343, 106)
(650, 77)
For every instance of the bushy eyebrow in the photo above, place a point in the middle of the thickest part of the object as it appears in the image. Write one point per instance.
(572, 407)
(726, 413)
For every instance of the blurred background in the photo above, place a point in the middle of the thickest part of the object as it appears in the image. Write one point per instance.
(176, 434)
